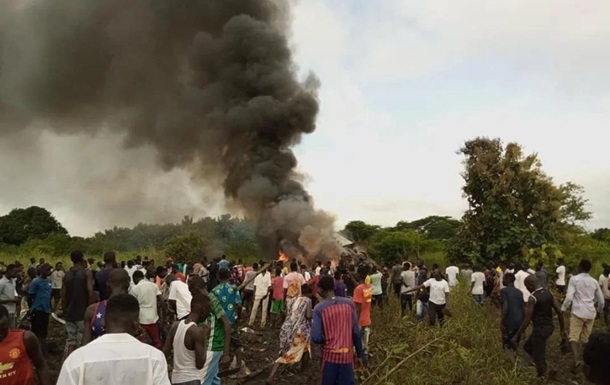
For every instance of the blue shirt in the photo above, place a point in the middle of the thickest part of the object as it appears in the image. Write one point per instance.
(40, 290)
(229, 298)
(223, 264)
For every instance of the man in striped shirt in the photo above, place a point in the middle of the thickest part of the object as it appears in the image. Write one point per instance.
(335, 327)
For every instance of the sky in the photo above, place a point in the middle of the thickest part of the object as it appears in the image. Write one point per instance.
(403, 85)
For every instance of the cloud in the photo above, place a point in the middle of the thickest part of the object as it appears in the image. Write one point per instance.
(405, 83)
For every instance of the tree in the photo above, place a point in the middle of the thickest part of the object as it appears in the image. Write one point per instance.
(435, 227)
(391, 246)
(360, 231)
(32, 223)
(189, 248)
(513, 206)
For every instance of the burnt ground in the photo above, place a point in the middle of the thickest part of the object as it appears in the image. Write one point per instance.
(260, 350)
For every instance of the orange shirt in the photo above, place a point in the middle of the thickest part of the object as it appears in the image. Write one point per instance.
(15, 364)
(363, 294)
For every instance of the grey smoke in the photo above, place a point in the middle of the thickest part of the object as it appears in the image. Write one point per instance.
(210, 85)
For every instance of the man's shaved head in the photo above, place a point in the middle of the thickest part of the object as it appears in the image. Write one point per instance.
(532, 283)
(118, 281)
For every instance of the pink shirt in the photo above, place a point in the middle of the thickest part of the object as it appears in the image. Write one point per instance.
(292, 277)
(278, 287)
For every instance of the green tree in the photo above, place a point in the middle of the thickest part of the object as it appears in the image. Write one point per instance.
(360, 231)
(391, 246)
(189, 248)
(513, 206)
(32, 223)
(435, 227)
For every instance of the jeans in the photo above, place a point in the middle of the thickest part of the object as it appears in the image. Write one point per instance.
(478, 298)
(74, 336)
(535, 346)
(436, 311)
(257, 302)
(211, 368)
(421, 307)
(406, 300)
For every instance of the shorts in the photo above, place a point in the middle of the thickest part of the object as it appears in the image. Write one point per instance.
(278, 306)
(211, 368)
(56, 294)
(235, 342)
(337, 374)
(40, 324)
(580, 329)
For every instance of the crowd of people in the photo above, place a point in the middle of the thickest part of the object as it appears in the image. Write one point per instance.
(124, 322)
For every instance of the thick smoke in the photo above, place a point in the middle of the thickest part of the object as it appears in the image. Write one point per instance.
(210, 85)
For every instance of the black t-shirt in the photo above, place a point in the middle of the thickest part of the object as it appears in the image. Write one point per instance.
(543, 309)
(77, 297)
(513, 298)
(101, 283)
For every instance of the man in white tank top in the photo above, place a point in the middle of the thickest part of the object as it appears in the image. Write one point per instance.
(188, 342)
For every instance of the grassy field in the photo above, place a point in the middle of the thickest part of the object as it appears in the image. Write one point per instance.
(467, 350)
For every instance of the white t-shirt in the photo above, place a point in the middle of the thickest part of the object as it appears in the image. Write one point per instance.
(179, 292)
(146, 293)
(438, 290)
(57, 277)
(478, 278)
(115, 359)
(561, 275)
(520, 284)
(262, 283)
(407, 278)
(130, 271)
(452, 273)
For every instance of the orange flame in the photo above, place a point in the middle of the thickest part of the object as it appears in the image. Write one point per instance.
(282, 257)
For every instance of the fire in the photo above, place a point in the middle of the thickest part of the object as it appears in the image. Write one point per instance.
(282, 257)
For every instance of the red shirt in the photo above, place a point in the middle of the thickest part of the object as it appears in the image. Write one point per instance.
(15, 364)
(278, 288)
(363, 294)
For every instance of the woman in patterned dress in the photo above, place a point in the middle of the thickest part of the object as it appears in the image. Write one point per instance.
(296, 330)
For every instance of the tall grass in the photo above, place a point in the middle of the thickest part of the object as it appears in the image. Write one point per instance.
(466, 350)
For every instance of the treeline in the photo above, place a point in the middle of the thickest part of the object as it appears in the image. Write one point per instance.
(35, 231)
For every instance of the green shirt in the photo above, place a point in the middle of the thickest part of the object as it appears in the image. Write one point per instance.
(217, 333)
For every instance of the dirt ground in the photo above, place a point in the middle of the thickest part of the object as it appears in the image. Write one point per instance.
(260, 350)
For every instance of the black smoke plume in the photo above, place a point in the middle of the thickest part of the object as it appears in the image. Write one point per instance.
(209, 84)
